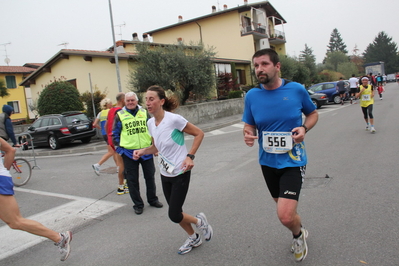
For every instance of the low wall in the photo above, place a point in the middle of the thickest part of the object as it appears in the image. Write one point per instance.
(204, 112)
(195, 113)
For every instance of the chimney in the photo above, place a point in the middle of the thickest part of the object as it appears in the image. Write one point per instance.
(245, 2)
(224, 7)
(145, 37)
(180, 19)
(135, 37)
(119, 47)
(213, 9)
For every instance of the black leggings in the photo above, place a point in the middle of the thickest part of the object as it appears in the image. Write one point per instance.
(369, 110)
(175, 190)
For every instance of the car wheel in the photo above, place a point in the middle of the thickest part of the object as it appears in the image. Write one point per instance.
(337, 99)
(86, 140)
(316, 103)
(53, 142)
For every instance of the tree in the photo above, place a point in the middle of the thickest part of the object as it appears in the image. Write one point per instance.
(357, 60)
(347, 69)
(336, 43)
(294, 70)
(3, 89)
(307, 58)
(180, 68)
(58, 97)
(383, 49)
(88, 100)
(333, 59)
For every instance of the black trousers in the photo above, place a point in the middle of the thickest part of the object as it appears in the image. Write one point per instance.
(132, 179)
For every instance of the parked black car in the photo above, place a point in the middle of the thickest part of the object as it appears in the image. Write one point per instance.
(318, 99)
(57, 129)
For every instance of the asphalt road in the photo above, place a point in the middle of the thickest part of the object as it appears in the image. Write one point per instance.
(352, 216)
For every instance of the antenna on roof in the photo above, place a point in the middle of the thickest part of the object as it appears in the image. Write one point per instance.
(64, 43)
(7, 60)
(120, 29)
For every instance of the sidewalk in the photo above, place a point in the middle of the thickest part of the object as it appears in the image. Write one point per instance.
(97, 144)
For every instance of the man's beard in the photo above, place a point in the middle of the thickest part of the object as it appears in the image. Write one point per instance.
(264, 79)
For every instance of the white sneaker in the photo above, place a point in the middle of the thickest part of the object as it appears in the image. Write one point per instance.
(367, 128)
(189, 244)
(205, 227)
(372, 130)
(63, 245)
(300, 246)
(96, 168)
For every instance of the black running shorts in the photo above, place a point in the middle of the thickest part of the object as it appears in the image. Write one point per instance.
(284, 183)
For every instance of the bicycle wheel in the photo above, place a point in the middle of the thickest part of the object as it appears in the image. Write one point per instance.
(21, 171)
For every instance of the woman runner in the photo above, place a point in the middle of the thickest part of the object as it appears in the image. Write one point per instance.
(175, 162)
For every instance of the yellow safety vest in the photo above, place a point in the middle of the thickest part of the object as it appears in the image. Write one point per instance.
(134, 132)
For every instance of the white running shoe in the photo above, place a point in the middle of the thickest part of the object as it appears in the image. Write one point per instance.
(63, 245)
(300, 246)
(190, 244)
(367, 128)
(96, 168)
(205, 227)
(372, 130)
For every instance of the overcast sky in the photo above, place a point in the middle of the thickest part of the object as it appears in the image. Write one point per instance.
(38, 29)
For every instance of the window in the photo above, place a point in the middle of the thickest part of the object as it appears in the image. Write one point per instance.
(56, 121)
(10, 82)
(222, 68)
(45, 122)
(15, 105)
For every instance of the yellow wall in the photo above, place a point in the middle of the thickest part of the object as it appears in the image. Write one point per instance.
(223, 32)
(103, 75)
(17, 94)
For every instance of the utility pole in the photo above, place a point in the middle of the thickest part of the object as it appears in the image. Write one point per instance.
(115, 52)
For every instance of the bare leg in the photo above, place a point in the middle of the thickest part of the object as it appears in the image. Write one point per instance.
(119, 162)
(186, 223)
(286, 212)
(106, 156)
(9, 213)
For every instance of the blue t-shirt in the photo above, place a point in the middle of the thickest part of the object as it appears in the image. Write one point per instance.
(278, 110)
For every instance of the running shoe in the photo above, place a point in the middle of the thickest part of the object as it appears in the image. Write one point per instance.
(300, 246)
(367, 128)
(190, 244)
(372, 130)
(205, 228)
(63, 245)
(120, 190)
(126, 188)
(306, 236)
(96, 168)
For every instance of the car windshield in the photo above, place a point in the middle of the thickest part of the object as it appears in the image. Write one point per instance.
(76, 118)
(311, 92)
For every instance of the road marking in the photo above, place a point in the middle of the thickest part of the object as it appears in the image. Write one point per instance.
(64, 217)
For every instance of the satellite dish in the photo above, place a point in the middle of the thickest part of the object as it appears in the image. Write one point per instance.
(7, 60)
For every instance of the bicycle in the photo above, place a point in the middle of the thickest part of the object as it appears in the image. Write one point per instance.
(20, 170)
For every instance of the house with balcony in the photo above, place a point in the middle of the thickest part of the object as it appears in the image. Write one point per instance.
(19, 96)
(235, 33)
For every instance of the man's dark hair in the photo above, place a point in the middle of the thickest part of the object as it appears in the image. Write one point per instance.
(353, 75)
(270, 52)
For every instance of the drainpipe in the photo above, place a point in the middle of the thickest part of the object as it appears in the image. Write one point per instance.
(200, 29)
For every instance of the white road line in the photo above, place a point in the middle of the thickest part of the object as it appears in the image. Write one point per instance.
(64, 217)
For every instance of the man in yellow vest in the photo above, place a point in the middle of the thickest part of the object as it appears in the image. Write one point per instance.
(130, 133)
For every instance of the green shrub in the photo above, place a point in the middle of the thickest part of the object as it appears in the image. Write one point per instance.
(58, 97)
(235, 94)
